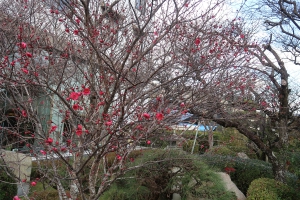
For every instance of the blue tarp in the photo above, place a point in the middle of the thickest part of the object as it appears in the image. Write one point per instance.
(200, 127)
(183, 121)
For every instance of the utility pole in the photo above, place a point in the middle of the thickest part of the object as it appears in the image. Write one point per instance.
(195, 138)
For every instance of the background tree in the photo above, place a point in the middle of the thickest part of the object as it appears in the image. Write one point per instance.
(252, 95)
(281, 19)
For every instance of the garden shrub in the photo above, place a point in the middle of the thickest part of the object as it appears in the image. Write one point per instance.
(188, 145)
(45, 195)
(234, 141)
(45, 192)
(159, 143)
(131, 190)
(49, 195)
(246, 170)
(270, 189)
(35, 173)
(204, 146)
(8, 188)
(230, 138)
(40, 168)
(110, 157)
(221, 150)
(155, 180)
(44, 166)
(209, 186)
(293, 162)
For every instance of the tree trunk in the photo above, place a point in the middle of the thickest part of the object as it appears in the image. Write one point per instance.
(279, 171)
(278, 167)
(278, 164)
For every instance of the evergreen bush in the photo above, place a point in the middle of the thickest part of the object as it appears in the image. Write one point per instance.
(221, 150)
(188, 145)
(246, 170)
(270, 189)
(45, 195)
(191, 179)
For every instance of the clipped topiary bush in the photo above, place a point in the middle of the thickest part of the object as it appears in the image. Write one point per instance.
(8, 186)
(270, 189)
(245, 170)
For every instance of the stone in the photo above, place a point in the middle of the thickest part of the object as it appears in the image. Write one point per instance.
(230, 186)
(175, 169)
(176, 196)
(242, 155)
(192, 183)
(23, 188)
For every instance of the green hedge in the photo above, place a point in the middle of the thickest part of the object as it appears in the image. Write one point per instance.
(270, 189)
(246, 170)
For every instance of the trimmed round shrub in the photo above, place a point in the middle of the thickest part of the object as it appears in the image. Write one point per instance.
(8, 186)
(270, 189)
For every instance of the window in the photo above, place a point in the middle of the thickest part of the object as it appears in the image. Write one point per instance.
(67, 131)
(58, 4)
(63, 4)
(140, 5)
